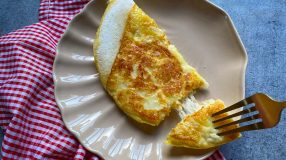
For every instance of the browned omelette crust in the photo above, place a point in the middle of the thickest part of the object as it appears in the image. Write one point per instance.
(189, 132)
(145, 67)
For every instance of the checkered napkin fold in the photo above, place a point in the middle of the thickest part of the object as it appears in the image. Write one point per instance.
(29, 116)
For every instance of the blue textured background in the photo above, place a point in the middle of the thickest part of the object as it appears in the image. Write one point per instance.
(262, 27)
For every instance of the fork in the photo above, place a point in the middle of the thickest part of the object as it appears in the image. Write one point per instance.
(268, 116)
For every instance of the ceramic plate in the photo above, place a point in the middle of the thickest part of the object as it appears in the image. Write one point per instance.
(202, 32)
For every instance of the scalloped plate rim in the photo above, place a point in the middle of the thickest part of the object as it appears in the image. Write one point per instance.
(244, 54)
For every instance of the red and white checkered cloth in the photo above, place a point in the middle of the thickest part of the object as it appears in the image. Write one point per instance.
(29, 115)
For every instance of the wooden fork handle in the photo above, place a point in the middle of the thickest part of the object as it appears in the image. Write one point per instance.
(283, 105)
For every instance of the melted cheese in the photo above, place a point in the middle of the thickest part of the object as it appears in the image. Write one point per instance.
(152, 103)
(134, 72)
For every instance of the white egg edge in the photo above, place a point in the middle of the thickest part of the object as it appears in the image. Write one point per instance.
(110, 34)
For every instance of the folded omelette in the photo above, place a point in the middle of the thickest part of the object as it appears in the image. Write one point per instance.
(145, 74)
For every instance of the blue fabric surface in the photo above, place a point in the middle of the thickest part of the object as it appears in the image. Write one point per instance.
(15, 14)
(262, 27)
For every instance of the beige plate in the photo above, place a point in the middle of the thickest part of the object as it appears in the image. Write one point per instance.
(202, 32)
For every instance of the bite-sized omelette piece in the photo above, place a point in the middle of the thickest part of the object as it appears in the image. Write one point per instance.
(197, 130)
(142, 71)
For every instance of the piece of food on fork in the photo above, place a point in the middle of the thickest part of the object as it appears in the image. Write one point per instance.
(143, 72)
(197, 130)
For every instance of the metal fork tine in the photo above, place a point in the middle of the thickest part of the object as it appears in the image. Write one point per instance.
(240, 121)
(249, 110)
(254, 126)
(235, 106)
